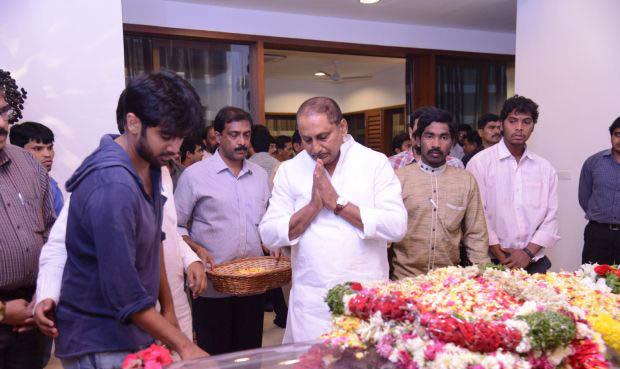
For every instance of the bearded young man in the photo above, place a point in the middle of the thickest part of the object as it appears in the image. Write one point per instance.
(442, 202)
(338, 204)
(111, 280)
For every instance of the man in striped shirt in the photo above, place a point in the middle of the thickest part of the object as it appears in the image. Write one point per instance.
(413, 155)
(26, 215)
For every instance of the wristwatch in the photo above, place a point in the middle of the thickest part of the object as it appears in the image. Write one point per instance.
(2, 310)
(341, 203)
(529, 253)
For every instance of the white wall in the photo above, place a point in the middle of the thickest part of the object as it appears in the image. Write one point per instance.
(385, 89)
(567, 61)
(68, 55)
(176, 14)
(285, 95)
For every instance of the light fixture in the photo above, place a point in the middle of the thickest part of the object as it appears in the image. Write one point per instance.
(368, 2)
(320, 74)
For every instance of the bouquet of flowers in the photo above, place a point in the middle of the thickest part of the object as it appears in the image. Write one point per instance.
(154, 357)
(475, 318)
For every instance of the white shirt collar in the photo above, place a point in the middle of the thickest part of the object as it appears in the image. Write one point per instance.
(504, 153)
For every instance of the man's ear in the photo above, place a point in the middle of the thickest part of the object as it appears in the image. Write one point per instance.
(344, 127)
(133, 124)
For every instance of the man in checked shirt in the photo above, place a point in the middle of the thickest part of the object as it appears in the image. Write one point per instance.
(26, 216)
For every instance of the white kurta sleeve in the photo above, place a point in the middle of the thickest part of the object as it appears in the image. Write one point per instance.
(274, 226)
(53, 259)
(387, 219)
(187, 254)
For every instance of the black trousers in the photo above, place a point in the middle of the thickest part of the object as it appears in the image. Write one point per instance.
(276, 297)
(229, 324)
(29, 350)
(601, 244)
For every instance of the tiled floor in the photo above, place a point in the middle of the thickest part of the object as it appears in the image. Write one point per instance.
(272, 336)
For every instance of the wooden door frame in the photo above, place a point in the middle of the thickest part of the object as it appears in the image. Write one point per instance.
(424, 59)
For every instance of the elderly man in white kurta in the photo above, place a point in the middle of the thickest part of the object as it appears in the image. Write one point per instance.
(337, 204)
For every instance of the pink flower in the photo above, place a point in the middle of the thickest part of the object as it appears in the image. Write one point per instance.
(158, 354)
(132, 361)
(152, 364)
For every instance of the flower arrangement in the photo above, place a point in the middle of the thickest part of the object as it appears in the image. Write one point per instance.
(477, 318)
(154, 357)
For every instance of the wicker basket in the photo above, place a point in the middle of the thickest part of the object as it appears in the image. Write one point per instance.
(225, 278)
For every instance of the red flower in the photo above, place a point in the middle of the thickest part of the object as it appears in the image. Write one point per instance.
(355, 286)
(602, 270)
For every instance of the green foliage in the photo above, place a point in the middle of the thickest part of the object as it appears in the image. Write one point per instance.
(613, 281)
(486, 266)
(334, 298)
(549, 329)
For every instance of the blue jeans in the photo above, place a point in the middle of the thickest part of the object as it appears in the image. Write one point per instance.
(102, 360)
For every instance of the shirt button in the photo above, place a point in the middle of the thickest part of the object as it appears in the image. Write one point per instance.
(8, 204)
(434, 209)
(18, 227)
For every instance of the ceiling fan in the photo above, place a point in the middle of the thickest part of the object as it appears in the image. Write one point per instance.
(335, 76)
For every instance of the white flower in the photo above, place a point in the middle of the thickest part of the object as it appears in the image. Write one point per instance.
(583, 331)
(345, 301)
(559, 354)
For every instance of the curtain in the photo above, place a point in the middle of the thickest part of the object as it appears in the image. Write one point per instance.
(471, 89)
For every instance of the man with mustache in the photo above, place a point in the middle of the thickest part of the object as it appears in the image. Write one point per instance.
(220, 202)
(38, 140)
(519, 192)
(412, 156)
(111, 279)
(338, 204)
(26, 216)
(443, 205)
(489, 129)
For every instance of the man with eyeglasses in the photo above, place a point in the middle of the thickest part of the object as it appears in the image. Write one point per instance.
(26, 215)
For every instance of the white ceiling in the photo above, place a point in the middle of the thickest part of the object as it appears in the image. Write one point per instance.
(302, 65)
(489, 15)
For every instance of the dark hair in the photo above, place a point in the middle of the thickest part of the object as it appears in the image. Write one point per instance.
(230, 114)
(120, 112)
(261, 138)
(205, 132)
(162, 99)
(189, 145)
(615, 125)
(417, 113)
(474, 137)
(281, 142)
(520, 104)
(321, 105)
(397, 141)
(13, 95)
(485, 119)
(431, 115)
(21, 134)
(296, 139)
(464, 127)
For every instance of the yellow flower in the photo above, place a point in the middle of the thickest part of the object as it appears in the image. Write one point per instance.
(608, 327)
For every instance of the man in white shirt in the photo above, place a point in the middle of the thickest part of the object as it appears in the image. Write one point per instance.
(338, 204)
(519, 192)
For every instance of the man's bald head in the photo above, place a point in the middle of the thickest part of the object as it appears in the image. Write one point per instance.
(321, 105)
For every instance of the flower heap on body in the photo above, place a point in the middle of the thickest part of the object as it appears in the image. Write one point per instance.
(474, 318)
